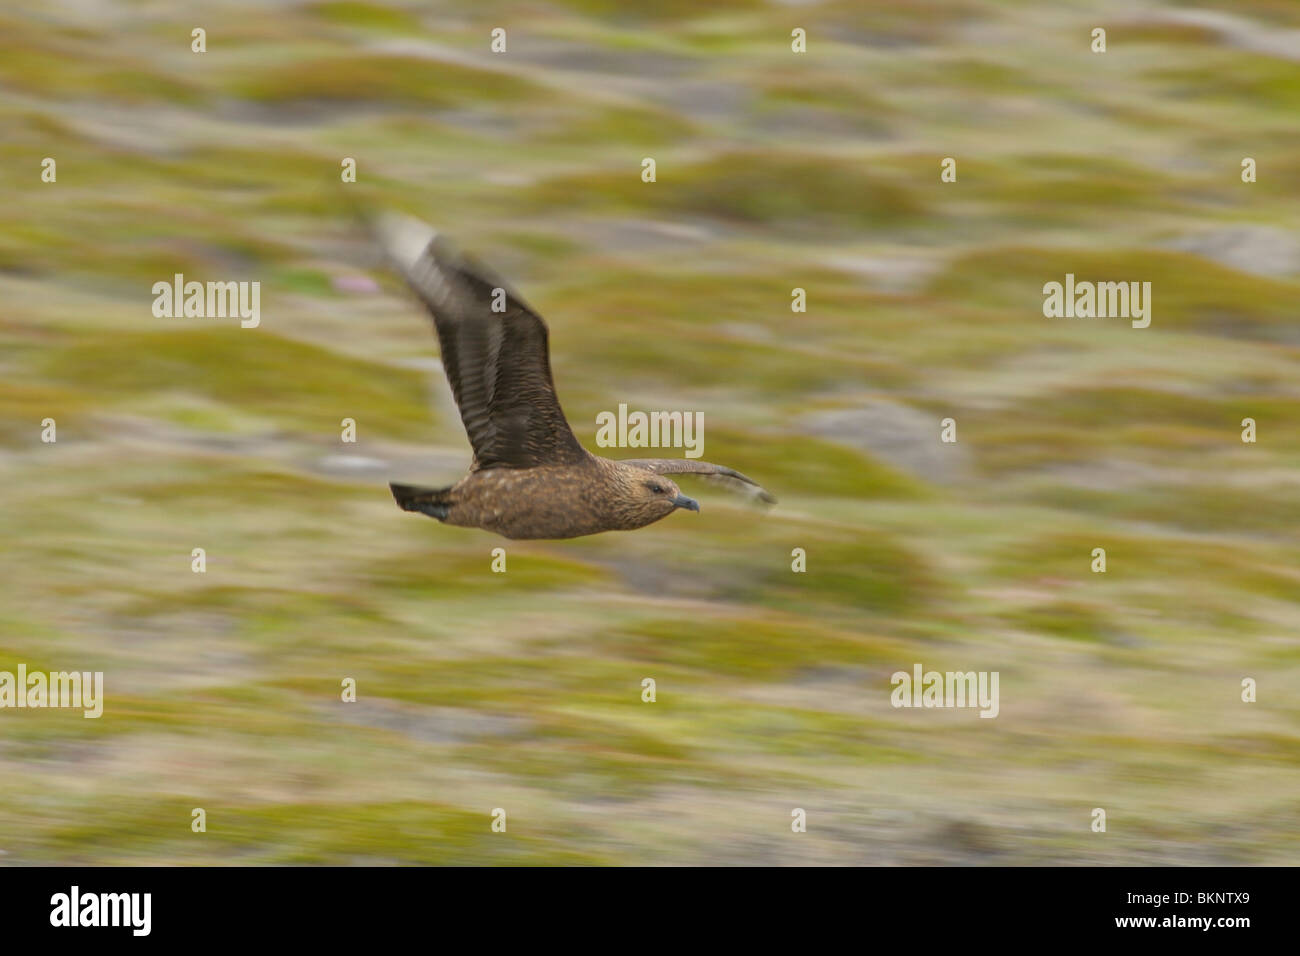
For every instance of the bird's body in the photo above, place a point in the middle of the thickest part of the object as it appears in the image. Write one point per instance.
(550, 501)
(530, 477)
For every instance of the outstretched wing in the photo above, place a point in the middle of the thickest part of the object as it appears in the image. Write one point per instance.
(498, 362)
(727, 477)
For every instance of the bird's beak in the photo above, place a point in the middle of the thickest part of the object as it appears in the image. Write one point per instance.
(690, 504)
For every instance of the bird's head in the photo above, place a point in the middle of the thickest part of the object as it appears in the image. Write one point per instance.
(648, 497)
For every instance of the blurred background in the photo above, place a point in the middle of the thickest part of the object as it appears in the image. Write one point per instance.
(523, 690)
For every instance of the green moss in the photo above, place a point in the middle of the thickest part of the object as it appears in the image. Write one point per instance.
(1200, 508)
(786, 192)
(1049, 188)
(792, 732)
(439, 573)
(870, 573)
(52, 62)
(1150, 558)
(373, 16)
(1189, 294)
(754, 649)
(24, 407)
(289, 384)
(1267, 83)
(797, 466)
(597, 127)
(1087, 425)
(407, 81)
(221, 483)
(668, 11)
(827, 90)
(523, 690)
(311, 834)
(1073, 620)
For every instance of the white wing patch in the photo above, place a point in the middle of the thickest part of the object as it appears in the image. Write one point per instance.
(404, 239)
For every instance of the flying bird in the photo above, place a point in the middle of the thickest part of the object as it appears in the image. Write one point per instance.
(529, 478)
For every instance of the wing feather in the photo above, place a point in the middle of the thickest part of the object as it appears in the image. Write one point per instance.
(728, 478)
(497, 362)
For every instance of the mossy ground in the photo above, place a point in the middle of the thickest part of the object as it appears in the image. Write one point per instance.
(523, 690)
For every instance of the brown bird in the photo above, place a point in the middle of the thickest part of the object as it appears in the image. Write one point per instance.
(530, 478)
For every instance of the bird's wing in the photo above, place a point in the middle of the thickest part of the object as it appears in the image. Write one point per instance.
(497, 362)
(727, 477)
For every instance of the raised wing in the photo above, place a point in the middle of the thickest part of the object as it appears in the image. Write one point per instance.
(498, 362)
(729, 478)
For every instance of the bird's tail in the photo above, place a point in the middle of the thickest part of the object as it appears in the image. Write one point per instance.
(434, 502)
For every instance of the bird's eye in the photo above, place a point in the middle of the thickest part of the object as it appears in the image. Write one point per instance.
(657, 489)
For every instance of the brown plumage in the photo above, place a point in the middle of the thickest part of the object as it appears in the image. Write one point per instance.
(530, 477)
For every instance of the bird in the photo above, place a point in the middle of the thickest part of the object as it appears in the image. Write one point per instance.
(529, 478)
